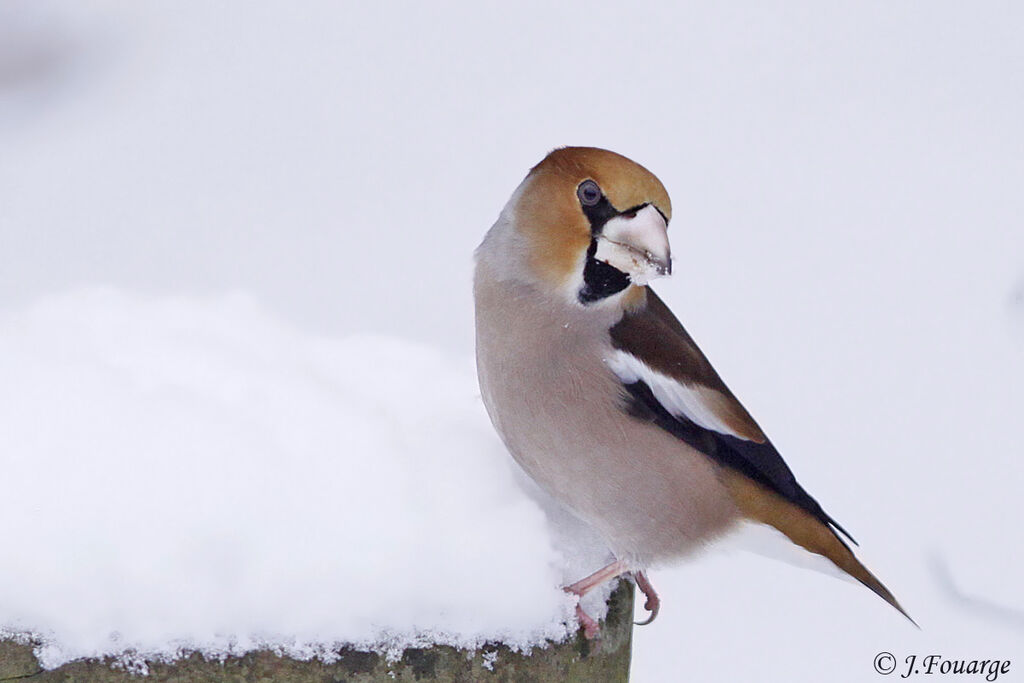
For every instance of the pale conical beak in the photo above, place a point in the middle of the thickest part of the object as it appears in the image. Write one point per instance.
(636, 244)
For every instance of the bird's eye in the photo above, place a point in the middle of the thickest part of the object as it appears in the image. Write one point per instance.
(589, 193)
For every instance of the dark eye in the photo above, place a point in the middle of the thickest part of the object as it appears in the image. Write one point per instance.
(589, 193)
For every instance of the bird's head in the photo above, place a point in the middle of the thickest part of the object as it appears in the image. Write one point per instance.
(592, 224)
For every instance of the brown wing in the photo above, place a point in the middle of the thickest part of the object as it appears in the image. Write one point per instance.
(685, 396)
(655, 336)
(669, 382)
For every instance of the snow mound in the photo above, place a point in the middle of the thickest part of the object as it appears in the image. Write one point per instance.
(193, 474)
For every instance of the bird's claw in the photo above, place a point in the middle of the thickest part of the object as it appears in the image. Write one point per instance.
(653, 602)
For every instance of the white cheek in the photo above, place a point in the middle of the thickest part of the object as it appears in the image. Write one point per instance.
(573, 283)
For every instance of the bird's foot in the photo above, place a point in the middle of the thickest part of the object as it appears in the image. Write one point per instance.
(591, 629)
(653, 603)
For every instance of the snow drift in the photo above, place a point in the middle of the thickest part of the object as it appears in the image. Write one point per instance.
(194, 474)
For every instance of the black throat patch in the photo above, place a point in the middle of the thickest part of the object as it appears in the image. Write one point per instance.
(600, 280)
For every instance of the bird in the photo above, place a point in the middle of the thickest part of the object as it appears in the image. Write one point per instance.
(603, 398)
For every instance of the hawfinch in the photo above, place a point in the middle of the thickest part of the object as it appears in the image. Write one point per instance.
(600, 394)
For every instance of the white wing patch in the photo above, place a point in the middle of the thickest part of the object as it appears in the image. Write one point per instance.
(694, 402)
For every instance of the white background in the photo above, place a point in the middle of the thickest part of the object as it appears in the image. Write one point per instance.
(847, 188)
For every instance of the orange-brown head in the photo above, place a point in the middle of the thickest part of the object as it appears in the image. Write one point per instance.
(593, 223)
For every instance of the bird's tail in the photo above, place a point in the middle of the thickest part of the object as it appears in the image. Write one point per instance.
(762, 505)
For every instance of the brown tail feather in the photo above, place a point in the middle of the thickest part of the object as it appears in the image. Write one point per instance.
(767, 507)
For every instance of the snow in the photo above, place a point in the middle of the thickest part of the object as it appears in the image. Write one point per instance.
(847, 228)
(195, 473)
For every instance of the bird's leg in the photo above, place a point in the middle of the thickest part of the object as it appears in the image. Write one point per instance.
(653, 603)
(585, 585)
(591, 629)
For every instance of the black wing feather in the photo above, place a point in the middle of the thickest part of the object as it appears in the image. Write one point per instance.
(758, 461)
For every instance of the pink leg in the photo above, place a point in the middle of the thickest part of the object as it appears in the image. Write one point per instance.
(591, 629)
(653, 603)
(584, 586)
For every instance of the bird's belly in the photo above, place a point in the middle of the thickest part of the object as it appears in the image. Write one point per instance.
(650, 495)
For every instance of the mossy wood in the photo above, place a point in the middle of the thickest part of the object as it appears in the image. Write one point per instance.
(577, 660)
